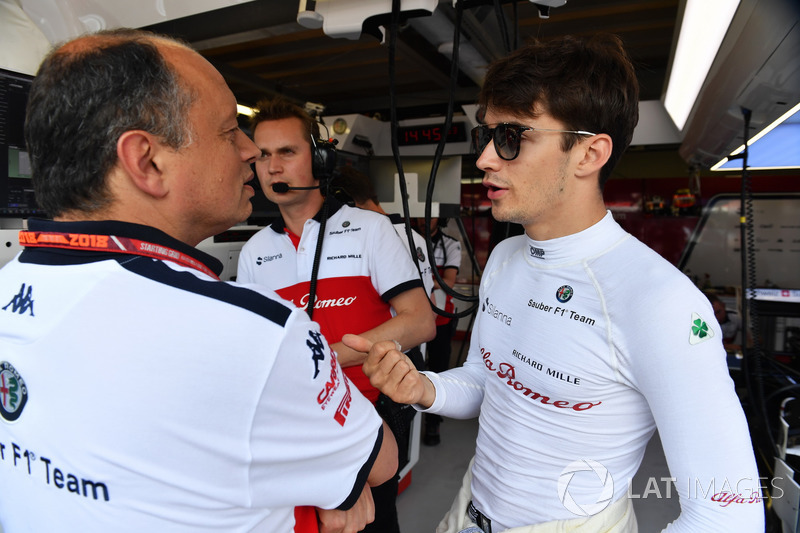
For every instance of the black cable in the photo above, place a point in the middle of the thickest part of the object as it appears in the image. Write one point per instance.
(515, 11)
(435, 167)
(394, 24)
(470, 251)
(501, 20)
(312, 289)
(324, 188)
(753, 357)
(393, 30)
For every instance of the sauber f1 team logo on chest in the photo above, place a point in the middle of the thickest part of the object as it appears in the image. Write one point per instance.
(13, 392)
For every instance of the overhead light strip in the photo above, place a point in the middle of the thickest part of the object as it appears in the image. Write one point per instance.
(783, 118)
(703, 28)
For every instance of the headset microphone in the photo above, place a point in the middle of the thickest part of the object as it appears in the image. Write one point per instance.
(284, 187)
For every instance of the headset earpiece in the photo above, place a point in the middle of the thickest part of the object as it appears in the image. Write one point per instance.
(323, 159)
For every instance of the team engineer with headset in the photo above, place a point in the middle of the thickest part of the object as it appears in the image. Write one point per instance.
(365, 279)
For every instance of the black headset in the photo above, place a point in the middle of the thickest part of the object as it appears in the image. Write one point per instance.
(323, 164)
(323, 161)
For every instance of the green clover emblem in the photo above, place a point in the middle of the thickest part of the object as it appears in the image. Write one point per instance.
(700, 328)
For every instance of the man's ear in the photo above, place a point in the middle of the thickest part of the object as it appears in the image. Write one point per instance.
(137, 153)
(595, 150)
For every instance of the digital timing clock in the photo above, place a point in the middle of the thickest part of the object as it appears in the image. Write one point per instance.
(430, 134)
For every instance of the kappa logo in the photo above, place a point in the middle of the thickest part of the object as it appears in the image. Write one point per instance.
(22, 302)
(13, 392)
(700, 332)
(317, 352)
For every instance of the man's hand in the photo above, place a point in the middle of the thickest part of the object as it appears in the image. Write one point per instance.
(346, 355)
(392, 372)
(354, 519)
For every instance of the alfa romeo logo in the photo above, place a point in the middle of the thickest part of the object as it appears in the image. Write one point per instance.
(564, 293)
(13, 392)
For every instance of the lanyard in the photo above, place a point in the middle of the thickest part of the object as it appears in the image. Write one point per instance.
(110, 243)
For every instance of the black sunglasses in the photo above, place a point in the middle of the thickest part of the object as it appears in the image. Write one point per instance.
(507, 138)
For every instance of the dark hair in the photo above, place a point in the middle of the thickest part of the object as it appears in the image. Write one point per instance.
(588, 84)
(355, 184)
(279, 108)
(83, 99)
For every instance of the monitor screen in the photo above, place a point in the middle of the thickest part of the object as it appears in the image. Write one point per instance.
(16, 187)
(447, 189)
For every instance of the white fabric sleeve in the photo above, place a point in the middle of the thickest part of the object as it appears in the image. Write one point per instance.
(390, 263)
(703, 430)
(244, 273)
(452, 252)
(314, 435)
(460, 390)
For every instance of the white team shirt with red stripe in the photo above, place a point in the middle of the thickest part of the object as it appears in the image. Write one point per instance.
(363, 265)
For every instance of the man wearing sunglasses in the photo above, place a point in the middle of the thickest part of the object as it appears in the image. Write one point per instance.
(586, 340)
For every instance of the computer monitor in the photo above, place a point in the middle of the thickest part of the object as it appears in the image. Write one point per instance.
(16, 187)
(446, 192)
(778, 311)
